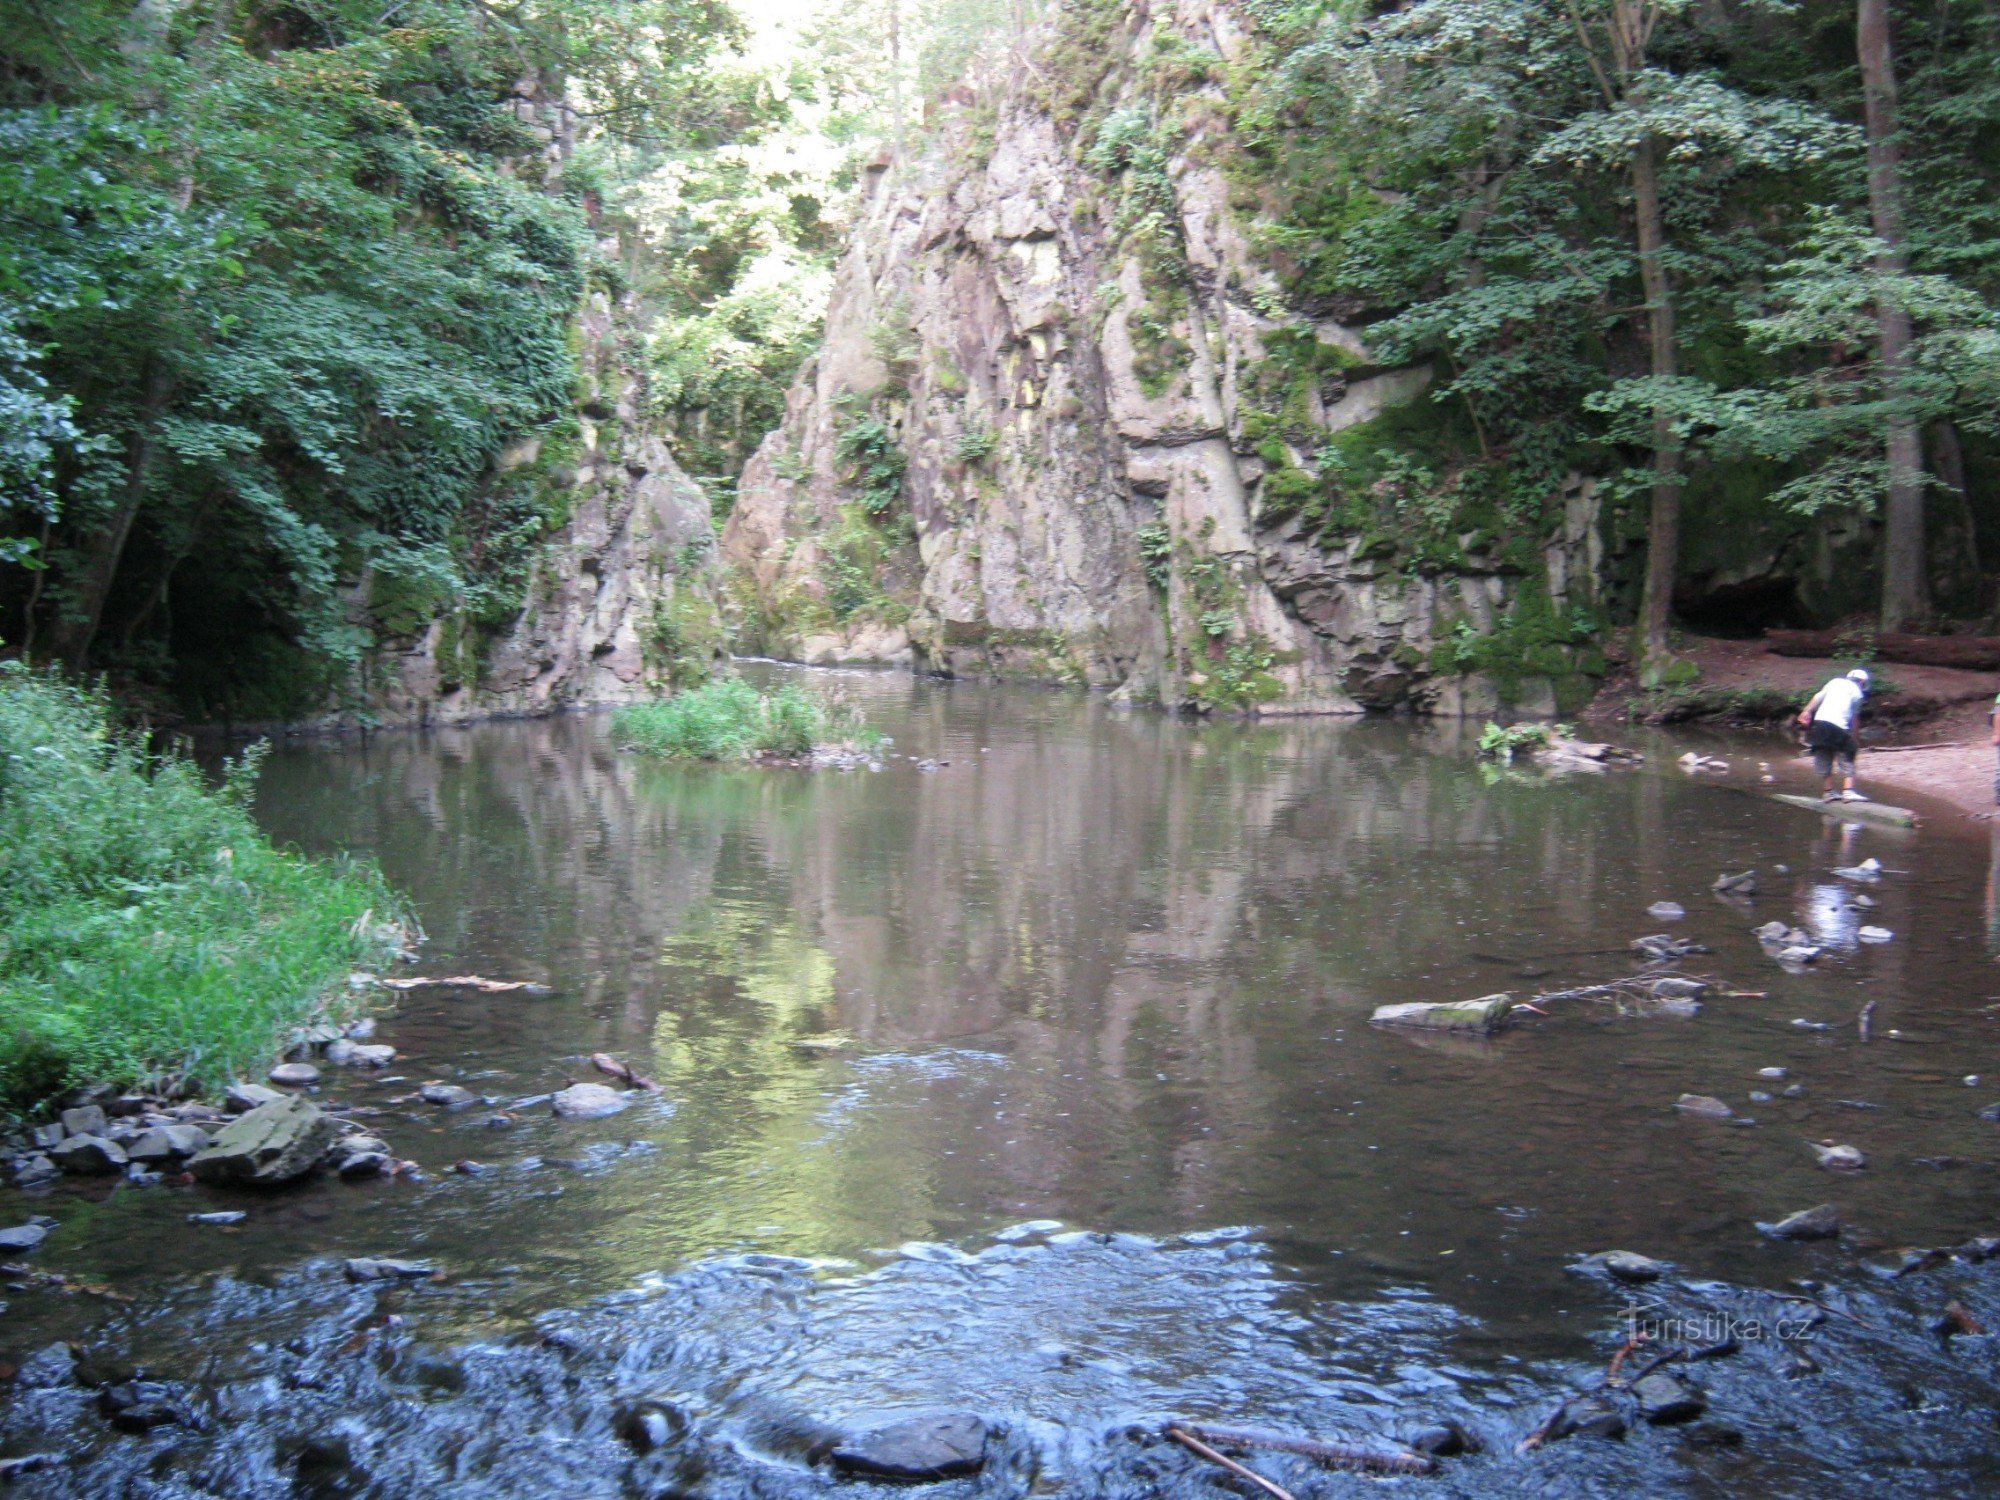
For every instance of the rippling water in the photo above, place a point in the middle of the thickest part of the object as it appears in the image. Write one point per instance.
(1105, 968)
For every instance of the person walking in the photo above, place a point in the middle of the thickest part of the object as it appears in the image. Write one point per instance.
(1829, 719)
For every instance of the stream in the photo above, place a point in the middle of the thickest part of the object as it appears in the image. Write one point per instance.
(1113, 1141)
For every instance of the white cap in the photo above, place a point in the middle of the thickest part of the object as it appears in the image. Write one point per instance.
(1859, 675)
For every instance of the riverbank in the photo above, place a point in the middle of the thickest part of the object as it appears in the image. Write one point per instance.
(150, 935)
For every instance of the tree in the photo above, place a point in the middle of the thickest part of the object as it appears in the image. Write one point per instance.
(1905, 589)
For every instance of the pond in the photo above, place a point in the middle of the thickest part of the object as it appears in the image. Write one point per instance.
(1105, 979)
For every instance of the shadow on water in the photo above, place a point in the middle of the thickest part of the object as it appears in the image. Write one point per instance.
(1100, 967)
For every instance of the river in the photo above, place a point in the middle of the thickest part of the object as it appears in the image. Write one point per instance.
(1106, 975)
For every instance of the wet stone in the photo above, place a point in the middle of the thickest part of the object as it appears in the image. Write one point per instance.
(362, 1165)
(220, 1217)
(294, 1074)
(447, 1095)
(1666, 911)
(1624, 1265)
(50, 1366)
(138, 1405)
(1443, 1440)
(1704, 1105)
(371, 1268)
(919, 1448)
(1666, 1397)
(271, 1144)
(89, 1156)
(1819, 1223)
(1588, 1416)
(587, 1101)
(22, 1238)
(651, 1425)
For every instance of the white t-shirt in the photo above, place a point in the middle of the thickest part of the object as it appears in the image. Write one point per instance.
(1838, 701)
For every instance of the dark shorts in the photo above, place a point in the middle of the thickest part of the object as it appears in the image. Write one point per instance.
(1832, 747)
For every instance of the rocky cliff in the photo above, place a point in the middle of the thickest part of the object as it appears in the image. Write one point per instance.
(616, 598)
(1066, 409)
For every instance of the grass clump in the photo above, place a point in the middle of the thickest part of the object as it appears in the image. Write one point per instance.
(148, 930)
(728, 719)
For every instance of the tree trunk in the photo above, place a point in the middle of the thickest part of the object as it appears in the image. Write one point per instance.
(1663, 535)
(1905, 595)
(76, 628)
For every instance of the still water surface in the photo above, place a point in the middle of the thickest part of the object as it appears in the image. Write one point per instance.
(1113, 969)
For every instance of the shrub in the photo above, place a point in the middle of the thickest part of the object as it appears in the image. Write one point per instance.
(147, 927)
(728, 719)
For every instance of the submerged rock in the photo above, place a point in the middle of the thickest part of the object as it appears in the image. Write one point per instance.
(1487, 1014)
(447, 1095)
(1705, 1105)
(1666, 911)
(587, 1101)
(1743, 883)
(1818, 1223)
(919, 1448)
(273, 1143)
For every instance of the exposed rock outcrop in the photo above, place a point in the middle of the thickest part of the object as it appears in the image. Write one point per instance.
(617, 597)
(1105, 406)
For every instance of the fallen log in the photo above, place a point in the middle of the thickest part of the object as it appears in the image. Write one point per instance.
(605, 1063)
(1330, 1455)
(1970, 653)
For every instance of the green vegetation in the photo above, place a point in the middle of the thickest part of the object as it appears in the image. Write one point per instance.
(1503, 744)
(148, 931)
(875, 461)
(728, 719)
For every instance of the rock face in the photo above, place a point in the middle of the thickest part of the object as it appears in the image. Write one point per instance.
(1111, 423)
(616, 597)
(271, 1144)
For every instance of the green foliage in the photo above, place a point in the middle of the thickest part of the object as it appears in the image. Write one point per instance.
(728, 719)
(1156, 552)
(684, 637)
(274, 297)
(1502, 744)
(147, 928)
(875, 461)
(976, 445)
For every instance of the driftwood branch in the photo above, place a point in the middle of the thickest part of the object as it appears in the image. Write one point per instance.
(1331, 1455)
(1200, 1449)
(468, 982)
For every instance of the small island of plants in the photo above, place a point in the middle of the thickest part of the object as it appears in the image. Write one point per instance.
(730, 720)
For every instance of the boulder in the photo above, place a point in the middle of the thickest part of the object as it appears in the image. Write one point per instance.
(165, 1142)
(32, 1169)
(87, 1119)
(1486, 1014)
(587, 1101)
(45, 1136)
(917, 1448)
(1704, 1105)
(89, 1156)
(274, 1143)
(1820, 1223)
(370, 1054)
